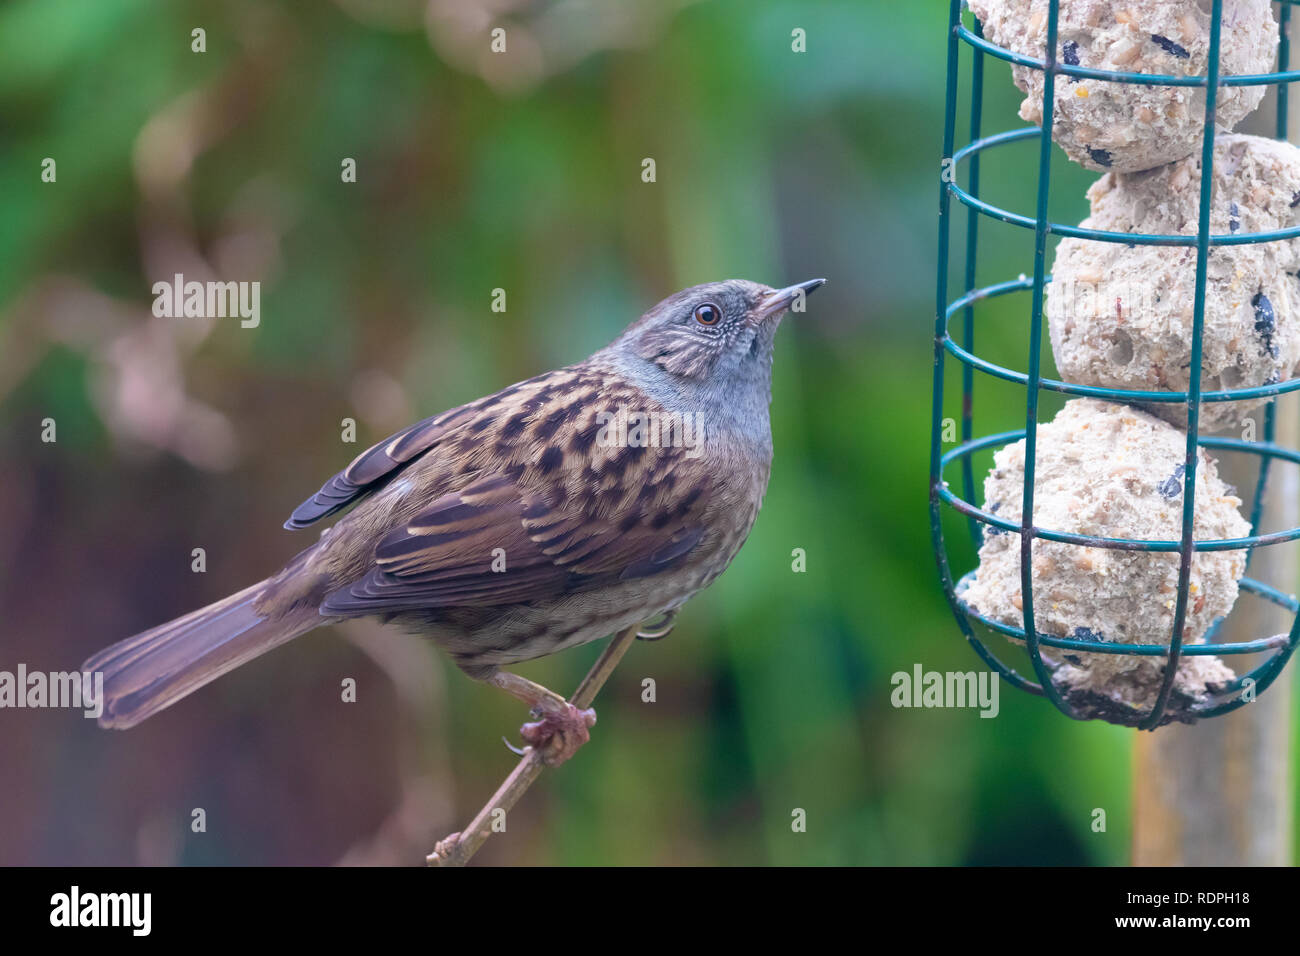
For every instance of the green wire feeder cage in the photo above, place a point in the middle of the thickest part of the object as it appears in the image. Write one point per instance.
(964, 165)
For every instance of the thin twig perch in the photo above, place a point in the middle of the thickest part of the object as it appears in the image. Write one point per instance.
(456, 849)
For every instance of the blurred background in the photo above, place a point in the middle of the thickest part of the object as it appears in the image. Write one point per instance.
(478, 171)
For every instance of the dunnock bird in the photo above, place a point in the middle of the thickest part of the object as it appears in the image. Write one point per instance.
(552, 513)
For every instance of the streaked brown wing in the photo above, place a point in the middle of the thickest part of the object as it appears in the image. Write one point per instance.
(448, 554)
(374, 465)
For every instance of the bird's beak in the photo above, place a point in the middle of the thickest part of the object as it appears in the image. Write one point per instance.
(783, 299)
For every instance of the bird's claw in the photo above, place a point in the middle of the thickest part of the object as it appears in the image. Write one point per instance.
(558, 734)
(659, 631)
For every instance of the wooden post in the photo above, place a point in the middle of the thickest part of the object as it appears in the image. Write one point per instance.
(1220, 792)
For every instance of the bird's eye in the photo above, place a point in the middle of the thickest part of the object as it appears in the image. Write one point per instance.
(708, 314)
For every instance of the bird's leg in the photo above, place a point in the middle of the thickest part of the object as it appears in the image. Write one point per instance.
(560, 729)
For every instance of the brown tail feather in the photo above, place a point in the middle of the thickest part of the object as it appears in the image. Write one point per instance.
(154, 669)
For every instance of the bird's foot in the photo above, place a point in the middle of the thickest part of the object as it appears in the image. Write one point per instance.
(558, 729)
(444, 851)
(558, 733)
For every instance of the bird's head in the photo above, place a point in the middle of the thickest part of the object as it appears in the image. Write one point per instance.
(717, 333)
